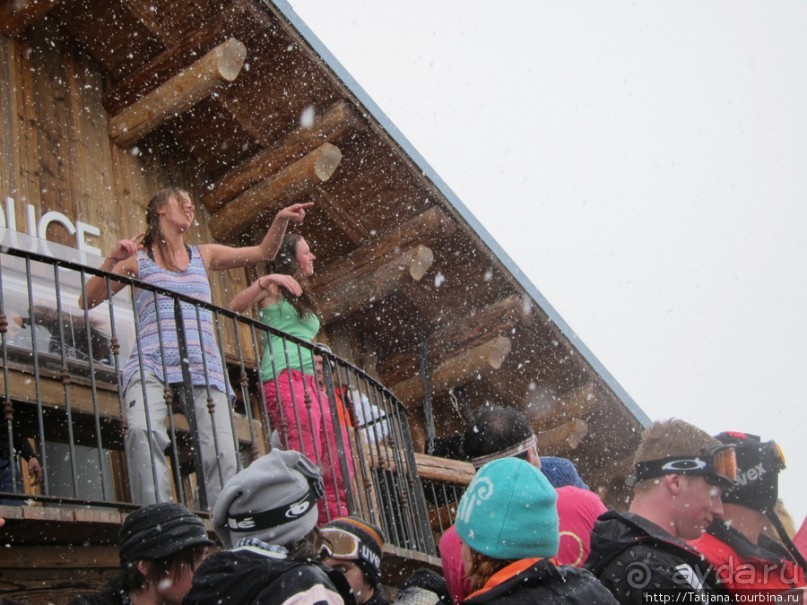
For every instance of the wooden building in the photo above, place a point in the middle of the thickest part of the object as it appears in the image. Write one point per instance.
(104, 102)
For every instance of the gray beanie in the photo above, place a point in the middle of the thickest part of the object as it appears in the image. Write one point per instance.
(274, 499)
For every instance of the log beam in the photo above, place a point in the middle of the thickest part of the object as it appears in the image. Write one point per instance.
(455, 371)
(563, 438)
(444, 470)
(426, 228)
(258, 203)
(180, 93)
(341, 218)
(615, 471)
(500, 318)
(240, 20)
(16, 15)
(373, 282)
(150, 19)
(339, 120)
(573, 404)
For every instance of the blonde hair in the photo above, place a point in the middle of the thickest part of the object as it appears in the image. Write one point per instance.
(786, 520)
(667, 438)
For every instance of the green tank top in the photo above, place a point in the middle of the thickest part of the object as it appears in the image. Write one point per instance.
(283, 316)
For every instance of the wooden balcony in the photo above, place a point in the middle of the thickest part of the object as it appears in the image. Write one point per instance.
(64, 395)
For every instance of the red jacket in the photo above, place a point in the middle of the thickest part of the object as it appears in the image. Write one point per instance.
(800, 539)
(740, 565)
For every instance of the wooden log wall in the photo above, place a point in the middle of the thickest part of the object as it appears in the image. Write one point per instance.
(56, 153)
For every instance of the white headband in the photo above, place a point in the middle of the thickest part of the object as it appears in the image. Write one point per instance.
(514, 450)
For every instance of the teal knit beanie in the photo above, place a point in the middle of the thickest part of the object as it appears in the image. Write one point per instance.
(508, 512)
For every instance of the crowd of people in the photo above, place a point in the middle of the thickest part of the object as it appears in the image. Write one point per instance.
(699, 524)
(702, 519)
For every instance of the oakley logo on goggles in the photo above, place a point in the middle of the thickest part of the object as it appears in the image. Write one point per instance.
(717, 466)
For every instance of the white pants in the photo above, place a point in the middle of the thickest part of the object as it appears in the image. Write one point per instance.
(147, 438)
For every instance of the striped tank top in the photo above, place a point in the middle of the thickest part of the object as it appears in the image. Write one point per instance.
(156, 323)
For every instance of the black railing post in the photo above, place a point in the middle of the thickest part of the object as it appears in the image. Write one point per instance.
(64, 372)
(8, 409)
(341, 452)
(189, 407)
(40, 411)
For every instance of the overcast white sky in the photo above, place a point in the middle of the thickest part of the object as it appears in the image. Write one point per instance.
(645, 164)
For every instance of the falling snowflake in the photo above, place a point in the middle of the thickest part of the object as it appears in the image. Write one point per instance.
(307, 117)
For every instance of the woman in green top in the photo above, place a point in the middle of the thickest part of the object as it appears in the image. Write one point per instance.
(298, 409)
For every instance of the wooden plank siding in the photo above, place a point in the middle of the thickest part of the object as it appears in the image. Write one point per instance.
(56, 155)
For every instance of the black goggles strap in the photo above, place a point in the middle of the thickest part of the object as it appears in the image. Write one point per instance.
(681, 465)
(251, 522)
(791, 548)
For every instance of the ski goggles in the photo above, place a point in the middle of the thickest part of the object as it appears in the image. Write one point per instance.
(770, 452)
(718, 466)
(340, 544)
(775, 455)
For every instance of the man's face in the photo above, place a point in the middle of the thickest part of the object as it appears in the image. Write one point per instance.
(362, 590)
(697, 504)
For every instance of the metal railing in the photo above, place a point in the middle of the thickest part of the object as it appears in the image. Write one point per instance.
(78, 386)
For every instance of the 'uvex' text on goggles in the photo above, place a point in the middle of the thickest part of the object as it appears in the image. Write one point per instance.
(341, 544)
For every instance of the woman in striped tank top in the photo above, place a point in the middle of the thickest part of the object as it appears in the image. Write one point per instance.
(163, 259)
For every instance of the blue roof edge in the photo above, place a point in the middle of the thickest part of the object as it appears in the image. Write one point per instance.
(339, 70)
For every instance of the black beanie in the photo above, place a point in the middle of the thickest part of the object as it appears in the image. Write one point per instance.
(758, 467)
(158, 531)
(371, 541)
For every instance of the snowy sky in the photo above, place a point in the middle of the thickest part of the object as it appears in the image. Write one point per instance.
(645, 164)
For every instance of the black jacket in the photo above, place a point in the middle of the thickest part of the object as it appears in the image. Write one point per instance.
(248, 577)
(546, 583)
(630, 554)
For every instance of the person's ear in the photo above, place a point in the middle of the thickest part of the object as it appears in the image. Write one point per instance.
(466, 557)
(144, 567)
(534, 458)
(674, 483)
